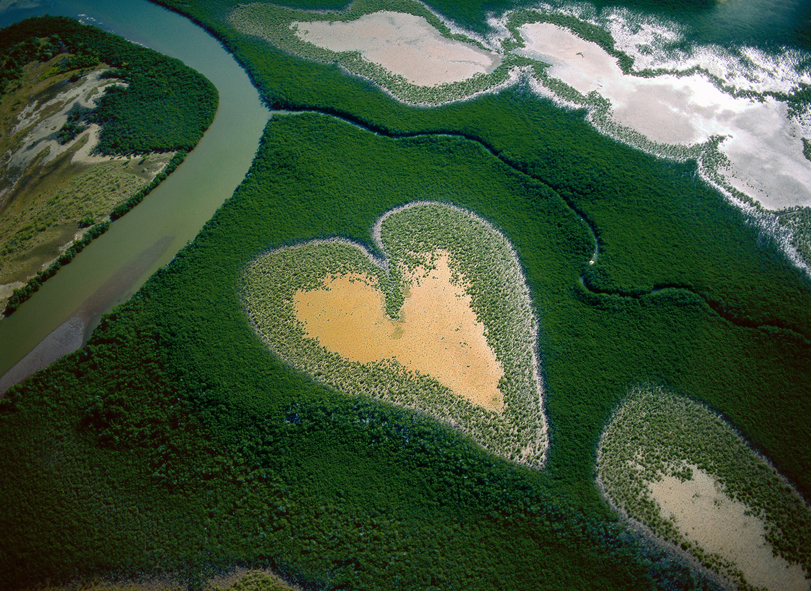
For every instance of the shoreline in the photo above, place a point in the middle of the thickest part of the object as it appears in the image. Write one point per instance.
(66, 338)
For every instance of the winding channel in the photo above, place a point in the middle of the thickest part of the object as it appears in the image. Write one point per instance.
(115, 265)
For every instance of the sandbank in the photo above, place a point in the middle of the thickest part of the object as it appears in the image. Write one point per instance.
(403, 44)
(65, 339)
(437, 333)
(721, 525)
(72, 333)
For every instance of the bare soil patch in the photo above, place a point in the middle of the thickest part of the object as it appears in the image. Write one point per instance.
(721, 525)
(403, 44)
(437, 333)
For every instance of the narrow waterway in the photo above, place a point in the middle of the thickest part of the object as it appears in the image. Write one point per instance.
(115, 265)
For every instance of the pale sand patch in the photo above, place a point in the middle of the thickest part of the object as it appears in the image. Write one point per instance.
(720, 525)
(65, 339)
(83, 154)
(403, 44)
(437, 334)
(38, 136)
(763, 145)
(7, 289)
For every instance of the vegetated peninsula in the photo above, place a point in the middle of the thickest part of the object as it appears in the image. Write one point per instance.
(89, 124)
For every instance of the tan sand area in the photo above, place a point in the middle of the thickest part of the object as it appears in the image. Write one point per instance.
(720, 525)
(437, 333)
(403, 44)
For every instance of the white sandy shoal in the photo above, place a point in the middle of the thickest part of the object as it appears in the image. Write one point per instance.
(706, 515)
(763, 145)
(403, 44)
(87, 95)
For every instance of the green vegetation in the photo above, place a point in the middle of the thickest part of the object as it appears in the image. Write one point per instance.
(176, 442)
(74, 125)
(17, 54)
(656, 433)
(257, 581)
(218, 453)
(798, 221)
(409, 237)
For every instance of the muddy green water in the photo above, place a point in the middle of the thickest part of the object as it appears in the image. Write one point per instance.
(115, 265)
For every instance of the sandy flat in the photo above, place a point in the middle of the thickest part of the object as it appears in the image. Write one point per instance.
(437, 333)
(763, 145)
(7, 289)
(403, 44)
(719, 524)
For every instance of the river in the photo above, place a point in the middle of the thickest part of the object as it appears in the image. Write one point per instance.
(116, 264)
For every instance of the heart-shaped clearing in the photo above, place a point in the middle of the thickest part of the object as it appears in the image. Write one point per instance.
(443, 325)
(437, 333)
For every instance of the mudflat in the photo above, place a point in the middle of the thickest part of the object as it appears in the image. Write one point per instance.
(437, 333)
(403, 44)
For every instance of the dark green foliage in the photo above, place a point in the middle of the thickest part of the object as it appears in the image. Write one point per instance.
(74, 125)
(16, 52)
(247, 461)
(295, 477)
(86, 221)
